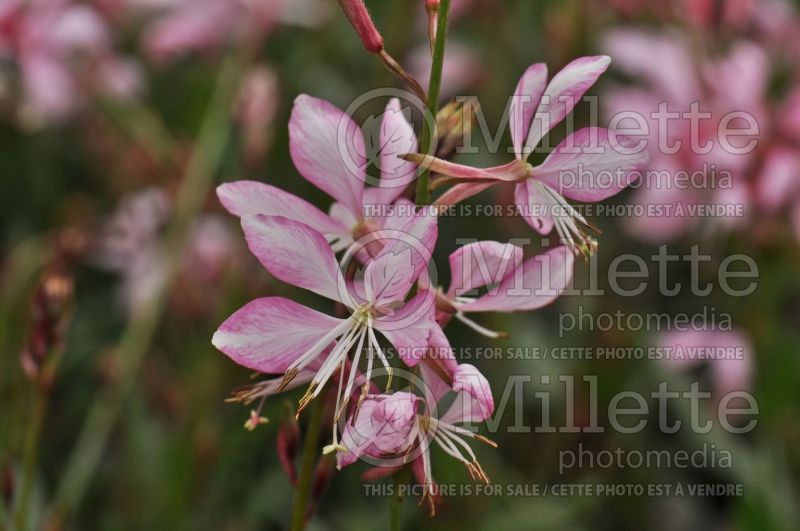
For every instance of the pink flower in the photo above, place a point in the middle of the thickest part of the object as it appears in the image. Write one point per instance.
(53, 42)
(666, 66)
(777, 186)
(395, 426)
(590, 165)
(513, 284)
(329, 151)
(184, 26)
(130, 244)
(728, 354)
(277, 335)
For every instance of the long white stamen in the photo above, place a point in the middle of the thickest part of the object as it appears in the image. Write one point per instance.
(320, 345)
(335, 358)
(334, 424)
(453, 437)
(352, 376)
(381, 355)
(449, 448)
(478, 328)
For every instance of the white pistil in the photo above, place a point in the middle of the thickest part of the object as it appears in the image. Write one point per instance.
(478, 328)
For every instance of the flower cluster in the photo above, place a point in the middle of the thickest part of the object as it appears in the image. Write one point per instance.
(384, 284)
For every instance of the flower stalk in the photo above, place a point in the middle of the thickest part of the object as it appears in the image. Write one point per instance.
(309, 458)
(423, 196)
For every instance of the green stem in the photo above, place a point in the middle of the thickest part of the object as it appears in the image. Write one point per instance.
(30, 457)
(429, 124)
(135, 342)
(309, 459)
(396, 506)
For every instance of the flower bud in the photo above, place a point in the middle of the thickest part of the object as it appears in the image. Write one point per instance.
(454, 123)
(356, 12)
(49, 317)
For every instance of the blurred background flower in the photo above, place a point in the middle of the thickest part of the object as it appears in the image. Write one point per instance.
(119, 117)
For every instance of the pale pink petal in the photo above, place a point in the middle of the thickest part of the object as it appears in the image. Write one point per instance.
(268, 334)
(49, 87)
(531, 206)
(525, 102)
(439, 361)
(741, 78)
(396, 138)
(389, 277)
(460, 192)
(327, 148)
(778, 177)
(418, 235)
(397, 215)
(562, 94)
(474, 401)
(661, 59)
(247, 198)
(408, 329)
(382, 426)
(591, 165)
(480, 264)
(79, 27)
(191, 26)
(358, 434)
(540, 281)
(294, 253)
(728, 352)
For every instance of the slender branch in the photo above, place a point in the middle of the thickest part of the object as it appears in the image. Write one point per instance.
(434, 85)
(309, 459)
(30, 456)
(135, 342)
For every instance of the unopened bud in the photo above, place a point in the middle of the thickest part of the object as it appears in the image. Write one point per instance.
(356, 12)
(50, 313)
(454, 124)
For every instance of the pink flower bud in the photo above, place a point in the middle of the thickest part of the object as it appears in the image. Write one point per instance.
(356, 12)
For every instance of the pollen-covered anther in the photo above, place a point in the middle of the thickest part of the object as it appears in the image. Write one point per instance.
(486, 441)
(287, 378)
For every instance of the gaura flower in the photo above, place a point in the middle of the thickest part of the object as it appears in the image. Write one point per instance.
(400, 427)
(512, 284)
(62, 48)
(329, 151)
(728, 354)
(277, 335)
(673, 79)
(590, 165)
